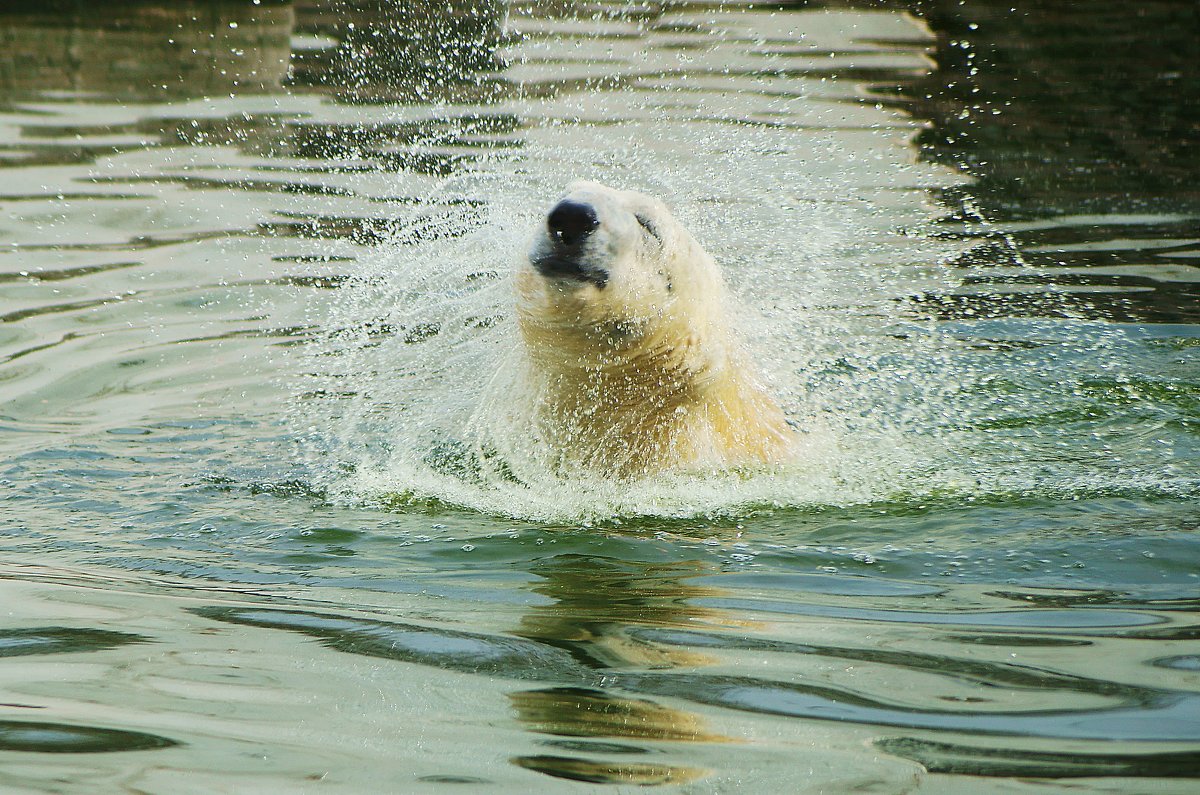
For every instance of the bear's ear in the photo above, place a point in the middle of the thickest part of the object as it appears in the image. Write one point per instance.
(648, 225)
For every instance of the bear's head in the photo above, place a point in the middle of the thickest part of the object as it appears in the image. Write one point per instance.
(634, 366)
(612, 277)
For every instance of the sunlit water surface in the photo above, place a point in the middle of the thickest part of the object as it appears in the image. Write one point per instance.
(255, 293)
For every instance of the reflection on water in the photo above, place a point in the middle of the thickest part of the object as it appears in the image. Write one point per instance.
(139, 51)
(963, 759)
(420, 52)
(468, 652)
(57, 640)
(1057, 112)
(58, 738)
(598, 602)
(580, 712)
(991, 574)
(602, 693)
(41, 737)
(1081, 131)
(640, 774)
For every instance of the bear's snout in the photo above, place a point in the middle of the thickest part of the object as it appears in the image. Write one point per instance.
(563, 254)
(570, 222)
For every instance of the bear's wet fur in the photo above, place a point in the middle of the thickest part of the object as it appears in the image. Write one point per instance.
(624, 319)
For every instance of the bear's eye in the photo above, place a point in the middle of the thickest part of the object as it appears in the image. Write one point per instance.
(649, 226)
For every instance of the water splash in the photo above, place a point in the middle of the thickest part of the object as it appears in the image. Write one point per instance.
(416, 382)
(419, 372)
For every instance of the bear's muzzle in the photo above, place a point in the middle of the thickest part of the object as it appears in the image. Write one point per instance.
(562, 253)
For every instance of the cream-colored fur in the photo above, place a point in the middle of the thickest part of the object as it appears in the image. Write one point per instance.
(641, 373)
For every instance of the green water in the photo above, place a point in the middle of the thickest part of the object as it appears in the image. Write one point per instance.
(254, 265)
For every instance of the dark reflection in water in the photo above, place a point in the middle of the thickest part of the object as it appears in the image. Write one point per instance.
(453, 780)
(621, 622)
(1165, 717)
(457, 651)
(978, 672)
(1059, 111)
(143, 50)
(586, 712)
(383, 51)
(395, 146)
(61, 640)
(640, 774)
(599, 601)
(1184, 662)
(62, 738)
(574, 643)
(359, 50)
(1017, 641)
(939, 757)
(598, 605)
(1058, 108)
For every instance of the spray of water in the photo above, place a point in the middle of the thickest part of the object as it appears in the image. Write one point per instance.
(418, 391)
(419, 377)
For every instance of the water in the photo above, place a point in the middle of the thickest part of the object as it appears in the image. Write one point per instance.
(254, 305)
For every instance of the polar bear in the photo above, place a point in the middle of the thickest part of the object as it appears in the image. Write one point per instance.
(636, 369)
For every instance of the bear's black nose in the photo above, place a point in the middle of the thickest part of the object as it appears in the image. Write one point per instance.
(570, 222)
